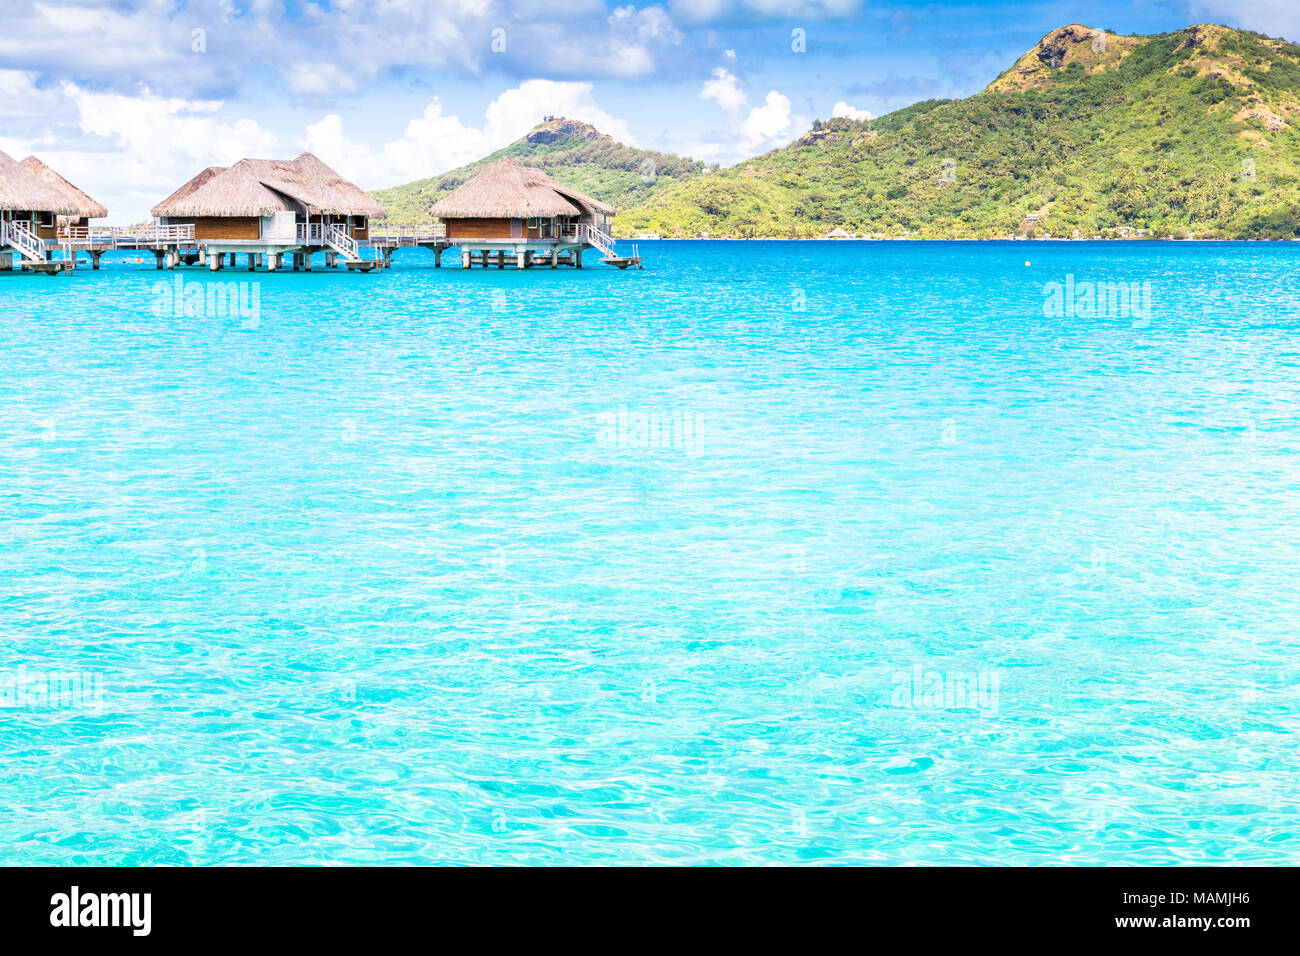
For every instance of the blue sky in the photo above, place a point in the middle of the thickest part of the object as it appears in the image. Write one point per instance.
(131, 98)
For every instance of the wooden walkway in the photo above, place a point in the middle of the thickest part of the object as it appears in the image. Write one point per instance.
(174, 245)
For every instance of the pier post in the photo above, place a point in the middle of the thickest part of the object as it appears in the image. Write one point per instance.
(437, 258)
(214, 263)
(203, 257)
(577, 258)
(555, 257)
(94, 259)
(464, 258)
(158, 258)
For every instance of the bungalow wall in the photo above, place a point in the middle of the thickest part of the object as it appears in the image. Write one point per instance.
(483, 229)
(226, 227)
(41, 223)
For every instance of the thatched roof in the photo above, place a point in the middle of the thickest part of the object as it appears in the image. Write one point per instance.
(22, 190)
(185, 191)
(263, 187)
(87, 208)
(506, 190)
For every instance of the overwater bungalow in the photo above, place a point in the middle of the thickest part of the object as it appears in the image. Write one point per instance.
(518, 214)
(87, 208)
(265, 208)
(29, 210)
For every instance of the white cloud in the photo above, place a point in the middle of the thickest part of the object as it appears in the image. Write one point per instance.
(324, 50)
(20, 97)
(434, 142)
(131, 151)
(128, 151)
(772, 124)
(843, 109)
(1273, 17)
(154, 144)
(164, 131)
(319, 79)
(723, 89)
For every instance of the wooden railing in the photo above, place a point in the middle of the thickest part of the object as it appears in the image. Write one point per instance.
(600, 239)
(337, 238)
(408, 234)
(125, 237)
(590, 234)
(20, 236)
(311, 234)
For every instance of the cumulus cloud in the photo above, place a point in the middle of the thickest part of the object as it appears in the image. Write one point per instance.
(843, 109)
(127, 150)
(151, 145)
(132, 150)
(723, 89)
(772, 124)
(1272, 17)
(322, 50)
(435, 142)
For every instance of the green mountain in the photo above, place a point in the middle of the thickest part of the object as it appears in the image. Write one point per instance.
(1090, 133)
(1190, 133)
(575, 153)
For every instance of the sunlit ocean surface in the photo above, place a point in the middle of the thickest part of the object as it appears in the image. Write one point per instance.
(771, 553)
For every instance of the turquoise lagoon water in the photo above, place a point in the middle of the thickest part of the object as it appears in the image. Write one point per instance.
(770, 553)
